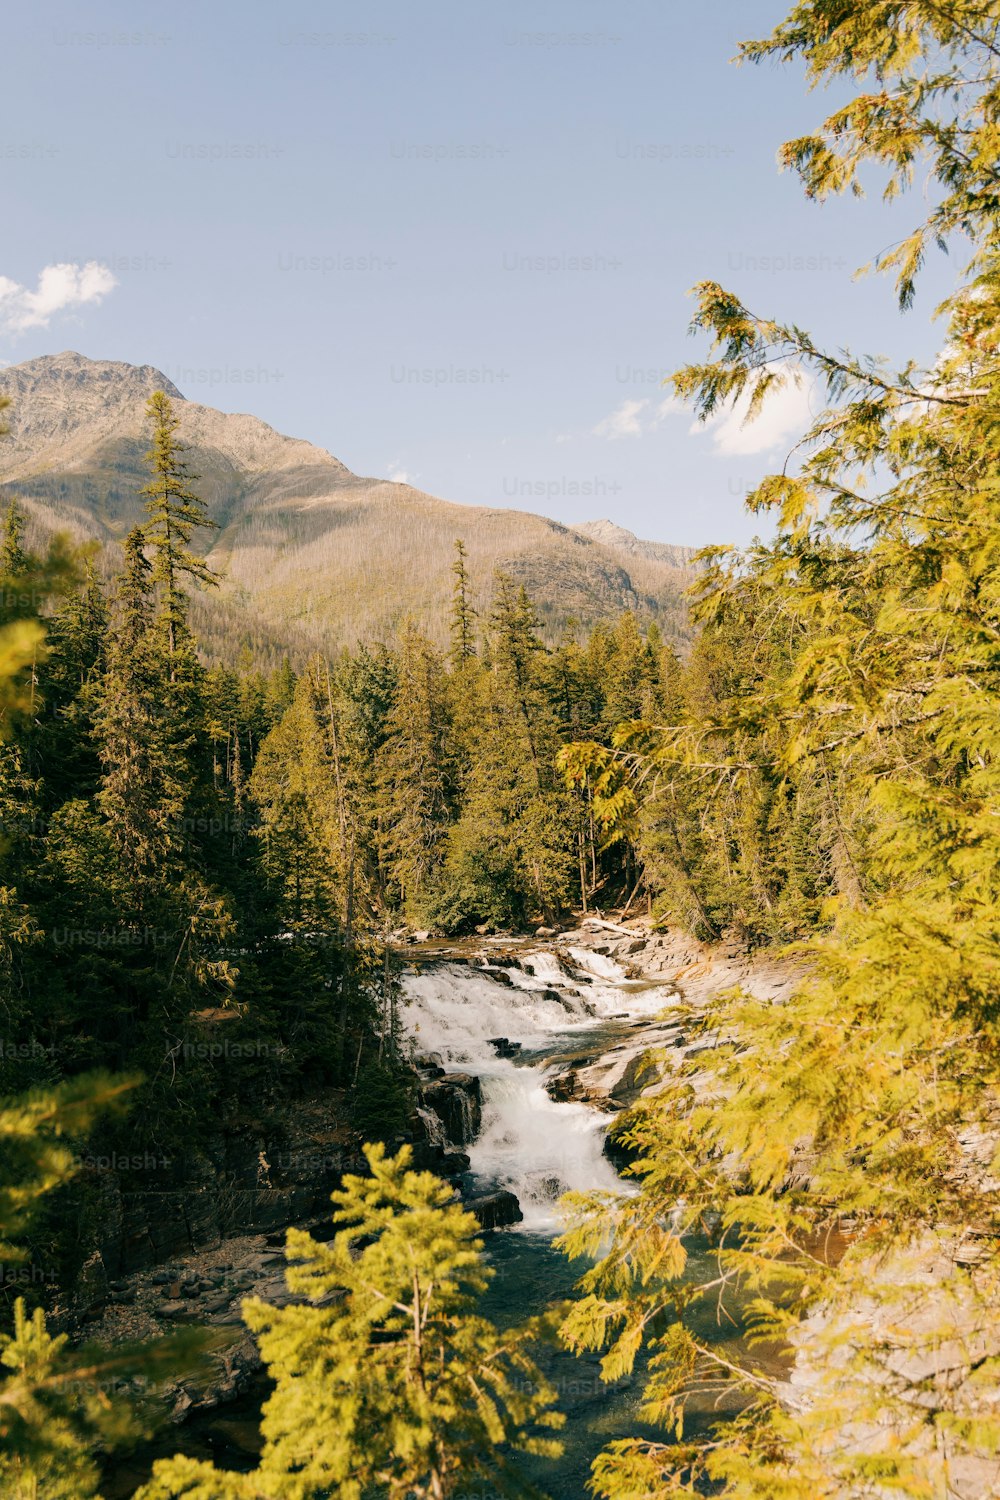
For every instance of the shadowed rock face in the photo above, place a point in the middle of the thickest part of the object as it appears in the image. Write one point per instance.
(457, 1101)
(495, 1210)
(307, 549)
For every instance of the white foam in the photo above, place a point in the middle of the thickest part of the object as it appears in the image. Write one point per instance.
(537, 1147)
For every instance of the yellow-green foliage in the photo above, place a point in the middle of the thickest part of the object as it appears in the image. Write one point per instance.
(396, 1386)
(842, 1149)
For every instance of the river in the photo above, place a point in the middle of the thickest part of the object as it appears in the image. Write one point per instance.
(561, 1009)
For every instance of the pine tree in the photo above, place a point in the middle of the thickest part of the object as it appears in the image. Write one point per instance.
(463, 616)
(841, 1147)
(13, 558)
(143, 791)
(57, 1403)
(304, 828)
(175, 512)
(511, 852)
(417, 774)
(396, 1385)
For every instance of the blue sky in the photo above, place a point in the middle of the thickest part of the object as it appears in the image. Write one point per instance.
(450, 242)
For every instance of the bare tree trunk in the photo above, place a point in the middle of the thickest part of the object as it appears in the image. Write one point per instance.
(583, 869)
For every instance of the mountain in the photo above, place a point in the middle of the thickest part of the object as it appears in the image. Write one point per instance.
(311, 553)
(626, 544)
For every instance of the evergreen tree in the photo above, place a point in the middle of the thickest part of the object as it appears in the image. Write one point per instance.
(416, 774)
(511, 852)
(827, 1142)
(13, 558)
(175, 512)
(305, 825)
(463, 616)
(143, 790)
(396, 1386)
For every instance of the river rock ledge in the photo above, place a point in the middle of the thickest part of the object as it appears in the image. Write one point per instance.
(456, 1100)
(496, 1210)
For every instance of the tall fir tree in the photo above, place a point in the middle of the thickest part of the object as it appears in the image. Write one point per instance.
(143, 791)
(417, 774)
(463, 616)
(175, 513)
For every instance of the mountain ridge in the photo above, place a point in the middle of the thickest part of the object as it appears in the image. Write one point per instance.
(309, 549)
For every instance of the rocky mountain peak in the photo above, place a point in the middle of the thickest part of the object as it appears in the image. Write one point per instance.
(306, 548)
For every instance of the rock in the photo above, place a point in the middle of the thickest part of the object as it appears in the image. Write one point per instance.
(430, 1064)
(558, 998)
(275, 1292)
(619, 1155)
(545, 932)
(496, 1210)
(445, 1161)
(563, 1087)
(217, 1304)
(91, 1290)
(457, 1101)
(182, 1405)
(178, 1312)
(498, 976)
(421, 937)
(504, 1048)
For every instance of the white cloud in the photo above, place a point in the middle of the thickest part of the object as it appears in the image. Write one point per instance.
(60, 288)
(399, 476)
(787, 412)
(634, 418)
(623, 422)
(670, 406)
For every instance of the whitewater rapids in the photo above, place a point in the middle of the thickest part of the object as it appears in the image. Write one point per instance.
(530, 1144)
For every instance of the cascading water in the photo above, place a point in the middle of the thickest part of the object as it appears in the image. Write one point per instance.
(553, 1013)
(529, 1143)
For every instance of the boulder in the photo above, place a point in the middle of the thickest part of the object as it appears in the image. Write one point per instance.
(503, 1047)
(457, 1101)
(179, 1312)
(445, 1161)
(496, 1210)
(563, 1087)
(429, 1064)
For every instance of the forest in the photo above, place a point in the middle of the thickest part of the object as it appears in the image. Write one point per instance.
(816, 773)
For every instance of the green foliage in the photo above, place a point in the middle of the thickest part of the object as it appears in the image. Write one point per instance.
(394, 1385)
(830, 772)
(416, 774)
(382, 1100)
(175, 512)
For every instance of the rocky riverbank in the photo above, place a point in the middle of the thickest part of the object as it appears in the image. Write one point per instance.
(194, 1258)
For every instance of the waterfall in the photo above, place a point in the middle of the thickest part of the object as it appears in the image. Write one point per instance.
(531, 1144)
